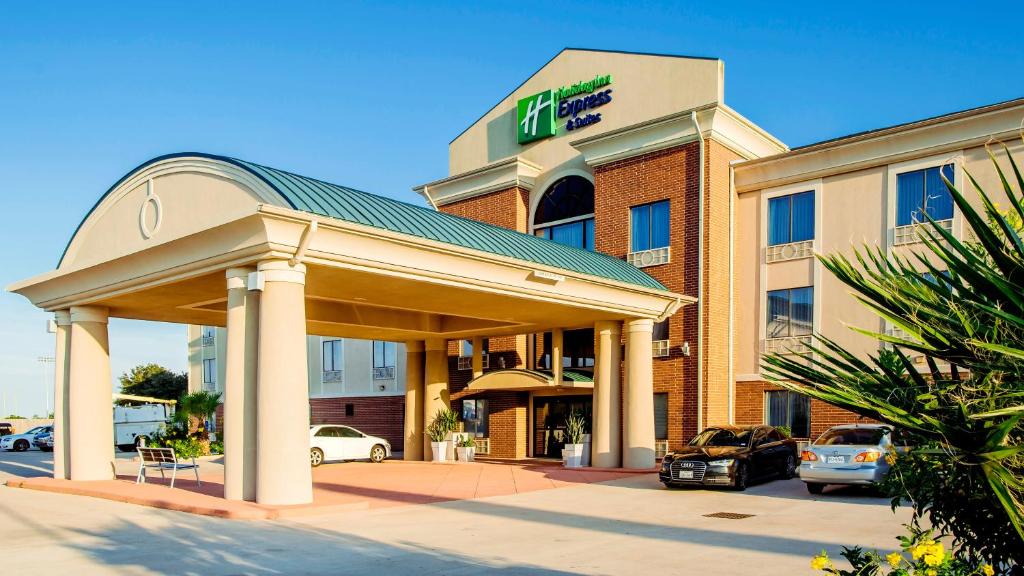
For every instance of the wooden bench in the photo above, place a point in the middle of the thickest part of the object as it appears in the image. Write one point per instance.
(163, 459)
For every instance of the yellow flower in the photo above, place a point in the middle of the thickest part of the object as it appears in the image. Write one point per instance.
(932, 559)
(820, 562)
(931, 572)
(916, 551)
(894, 559)
(988, 570)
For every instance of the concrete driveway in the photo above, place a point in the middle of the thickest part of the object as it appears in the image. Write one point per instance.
(625, 526)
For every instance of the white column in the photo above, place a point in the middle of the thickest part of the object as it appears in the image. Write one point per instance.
(478, 357)
(606, 438)
(90, 404)
(241, 360)
(638, 428)
(414, 380)
(282, 395)
(435, 389)
(61, 377)
(557, 339)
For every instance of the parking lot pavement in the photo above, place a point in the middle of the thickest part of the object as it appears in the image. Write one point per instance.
(626, 526)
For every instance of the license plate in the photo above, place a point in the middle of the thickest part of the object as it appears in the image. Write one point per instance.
(836, 460)
(685, 475)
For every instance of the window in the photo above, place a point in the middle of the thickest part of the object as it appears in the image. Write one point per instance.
(790, 312)
(649, 226)
(209, 371)
(791, 218)
(466, 348)
(346, 432)
(209, 331)
(332, 360)
(350, 410)
(660, 331)
(383, 354)
(578, 349)
(565, 213)
(327, 432)
(474, 416)
(923, 192)
(785, 408)
(661, 416)
(578, 234)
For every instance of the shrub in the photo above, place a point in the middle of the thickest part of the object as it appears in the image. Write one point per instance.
(186, 449)
(960, 306)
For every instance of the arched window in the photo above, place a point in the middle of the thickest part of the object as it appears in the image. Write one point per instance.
(565, 213)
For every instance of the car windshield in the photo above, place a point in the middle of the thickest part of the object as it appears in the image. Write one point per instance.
(722, 437)
(852, 437)
(36, 430)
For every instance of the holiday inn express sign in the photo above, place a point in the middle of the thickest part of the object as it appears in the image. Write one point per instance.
(538, 116)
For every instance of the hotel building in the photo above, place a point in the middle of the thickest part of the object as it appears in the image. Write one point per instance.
(637, 156)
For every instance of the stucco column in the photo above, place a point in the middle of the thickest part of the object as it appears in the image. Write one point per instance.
(282, 388)
(414, 381)
(478, 357)
(557, 365)
(638, 428)
(240, 387)
(61, 373)
(435, 389)
(90, 405)
(606, 440)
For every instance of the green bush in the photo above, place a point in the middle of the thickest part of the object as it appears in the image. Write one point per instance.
(186, 449)
(216, 447)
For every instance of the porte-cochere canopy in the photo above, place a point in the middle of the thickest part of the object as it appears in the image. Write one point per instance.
(201, 239)
(156, 245)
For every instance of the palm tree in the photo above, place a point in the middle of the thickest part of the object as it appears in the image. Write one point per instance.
(194, 409)
(960, 305)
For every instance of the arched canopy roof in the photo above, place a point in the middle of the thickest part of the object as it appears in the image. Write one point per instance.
(341, 202)
(158, 243)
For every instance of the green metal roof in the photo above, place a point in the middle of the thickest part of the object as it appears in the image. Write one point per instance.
(571, 375)
(343, 203)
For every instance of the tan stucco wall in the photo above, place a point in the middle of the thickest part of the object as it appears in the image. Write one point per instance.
(644, 87)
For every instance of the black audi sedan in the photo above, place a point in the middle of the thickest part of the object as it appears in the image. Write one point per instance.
(731, 456)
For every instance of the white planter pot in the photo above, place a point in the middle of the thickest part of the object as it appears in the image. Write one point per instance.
(466, 453)
(440, 450)
(573, 455)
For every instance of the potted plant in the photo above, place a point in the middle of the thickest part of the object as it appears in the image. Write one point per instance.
(439, 431)
(466, 448)
(573, 451)
(437, 434)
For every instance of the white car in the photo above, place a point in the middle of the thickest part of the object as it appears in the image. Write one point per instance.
(337, 442)
(23, 441)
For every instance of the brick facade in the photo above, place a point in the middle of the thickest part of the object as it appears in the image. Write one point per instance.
(750, 408)
(374, 415)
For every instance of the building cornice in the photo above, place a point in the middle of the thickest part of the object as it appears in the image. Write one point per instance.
(719, 122)
(501, 175)
(932, 136)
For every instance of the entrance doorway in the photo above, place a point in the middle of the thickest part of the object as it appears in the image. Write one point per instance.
(549, 414)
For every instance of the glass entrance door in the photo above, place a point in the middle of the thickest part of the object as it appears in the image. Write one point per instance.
(549, 414)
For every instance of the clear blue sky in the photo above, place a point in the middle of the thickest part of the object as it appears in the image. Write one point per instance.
(370, 96)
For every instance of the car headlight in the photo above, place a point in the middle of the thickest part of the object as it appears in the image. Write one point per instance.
(721, 463)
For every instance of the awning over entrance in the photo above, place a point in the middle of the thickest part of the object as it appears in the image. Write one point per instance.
(531, 381)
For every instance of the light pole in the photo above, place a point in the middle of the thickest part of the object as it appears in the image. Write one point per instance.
(45, 361)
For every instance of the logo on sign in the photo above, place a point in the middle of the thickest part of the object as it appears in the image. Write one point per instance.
(535, 117)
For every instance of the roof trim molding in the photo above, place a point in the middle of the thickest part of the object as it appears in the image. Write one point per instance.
(500, 175)
(717, 121)
(942, 134)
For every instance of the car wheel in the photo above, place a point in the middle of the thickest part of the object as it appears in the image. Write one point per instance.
(21, 446)
(739, 481)
(377, 454)
(316, 457)
(790, 470)
(815, 488)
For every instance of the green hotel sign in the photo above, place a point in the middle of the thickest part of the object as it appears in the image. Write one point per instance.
(538, 116)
